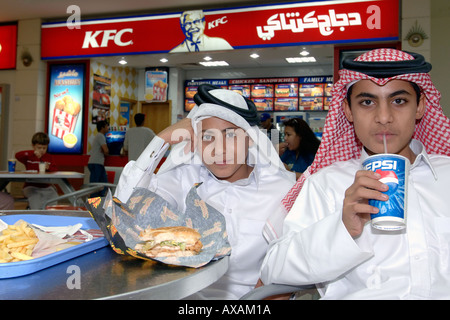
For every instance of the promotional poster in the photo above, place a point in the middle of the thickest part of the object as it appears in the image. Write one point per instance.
(65, 108)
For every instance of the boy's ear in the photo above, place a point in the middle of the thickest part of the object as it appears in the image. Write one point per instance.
(347, 110)
(421, 107)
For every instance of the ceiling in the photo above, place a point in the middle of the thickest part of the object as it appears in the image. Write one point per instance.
(55, 10)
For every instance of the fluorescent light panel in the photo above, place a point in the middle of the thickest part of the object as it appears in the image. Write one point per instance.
(214, 63)
(300, 59)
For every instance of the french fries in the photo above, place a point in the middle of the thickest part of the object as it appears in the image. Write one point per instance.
(17, 242)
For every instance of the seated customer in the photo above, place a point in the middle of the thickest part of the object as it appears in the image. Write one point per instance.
(239, 170)
(299, 147)
(38, 193)
(328, 239)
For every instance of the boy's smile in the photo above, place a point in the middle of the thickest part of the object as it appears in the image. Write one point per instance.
(390, 110)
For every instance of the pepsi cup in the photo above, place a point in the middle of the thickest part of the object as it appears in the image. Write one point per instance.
(394, 171)
(11, 165)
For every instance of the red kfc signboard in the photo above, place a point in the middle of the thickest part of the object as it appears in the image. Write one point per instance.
(317, 22)
(8, 46)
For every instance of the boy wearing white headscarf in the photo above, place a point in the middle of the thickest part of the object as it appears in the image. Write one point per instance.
(327, 236)
(220, 146)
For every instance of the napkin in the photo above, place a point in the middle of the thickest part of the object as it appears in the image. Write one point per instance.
(123, 222)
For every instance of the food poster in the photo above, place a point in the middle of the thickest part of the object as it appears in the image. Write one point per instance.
(286, 104)
(262, 91)
(156, 85)
(311, 103)
(311, 90)
(263, 104)
(66, 108)
(286, 90)
(243, 89)
(101, 99)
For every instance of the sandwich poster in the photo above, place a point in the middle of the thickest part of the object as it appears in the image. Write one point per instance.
(66, 108)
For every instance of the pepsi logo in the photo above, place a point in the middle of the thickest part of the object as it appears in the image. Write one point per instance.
(390, 179)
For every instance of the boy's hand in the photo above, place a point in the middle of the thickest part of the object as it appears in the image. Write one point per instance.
(38, 153)
(178, 132)
(356, 210)
(281, 148)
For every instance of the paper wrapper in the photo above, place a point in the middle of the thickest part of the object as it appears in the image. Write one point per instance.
(123, 222)
(52, 239)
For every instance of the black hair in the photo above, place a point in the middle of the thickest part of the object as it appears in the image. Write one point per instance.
(101, 124)
(40, 138)
(203, 96)
(309, 142)
(139, 118)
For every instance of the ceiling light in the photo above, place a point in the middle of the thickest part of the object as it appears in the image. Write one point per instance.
(163, 60)
(254, 55)
(123, 61)
(207, 58)
(214, 63)
(304, 53)
(300, 59)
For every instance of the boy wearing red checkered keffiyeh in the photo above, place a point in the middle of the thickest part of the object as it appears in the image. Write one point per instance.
(327, 239)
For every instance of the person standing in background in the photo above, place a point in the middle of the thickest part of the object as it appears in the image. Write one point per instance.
(136, 139)
(266, 124)
(99, 150)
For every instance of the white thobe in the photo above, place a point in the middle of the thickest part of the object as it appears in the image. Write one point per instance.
(410, 264)
(245, 204)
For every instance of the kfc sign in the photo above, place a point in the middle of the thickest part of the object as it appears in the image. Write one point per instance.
(8, 46)
(317, 22)
(90, 38)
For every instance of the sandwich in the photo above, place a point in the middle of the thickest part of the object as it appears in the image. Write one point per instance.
(169, 242)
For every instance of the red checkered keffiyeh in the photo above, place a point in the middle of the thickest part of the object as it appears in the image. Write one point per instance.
(339, 142)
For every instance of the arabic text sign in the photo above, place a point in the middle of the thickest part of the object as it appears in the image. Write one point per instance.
(259, 26)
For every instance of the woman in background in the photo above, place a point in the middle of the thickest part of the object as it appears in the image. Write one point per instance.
(299, 147)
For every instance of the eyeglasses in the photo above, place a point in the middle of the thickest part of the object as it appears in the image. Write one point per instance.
(190, 23)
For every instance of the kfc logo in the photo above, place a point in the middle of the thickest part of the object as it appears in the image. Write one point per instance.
(100, 38)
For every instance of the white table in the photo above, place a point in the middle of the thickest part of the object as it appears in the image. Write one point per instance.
(59, 178)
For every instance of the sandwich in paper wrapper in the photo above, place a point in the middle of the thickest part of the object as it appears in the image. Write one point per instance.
(129, 228)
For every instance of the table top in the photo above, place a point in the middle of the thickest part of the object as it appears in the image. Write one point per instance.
(33, 174)
(104, 274)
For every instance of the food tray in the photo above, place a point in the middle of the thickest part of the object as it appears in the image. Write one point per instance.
(21, 268)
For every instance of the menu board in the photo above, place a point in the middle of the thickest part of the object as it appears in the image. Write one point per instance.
(262, 91)
(263, 104)
(311, 103)
(286, 104)
(275, 94)
(66, 92)
(286, 90)
(190, 89)
(243, 89)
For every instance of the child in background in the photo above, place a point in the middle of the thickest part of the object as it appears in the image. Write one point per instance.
(38, 193)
